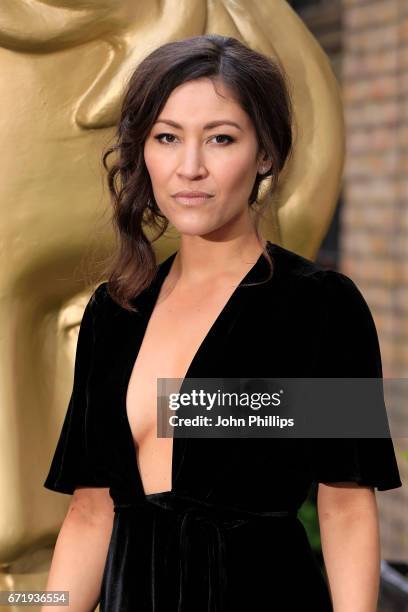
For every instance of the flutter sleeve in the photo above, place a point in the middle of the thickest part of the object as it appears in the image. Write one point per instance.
(350, 349)
(70, 466)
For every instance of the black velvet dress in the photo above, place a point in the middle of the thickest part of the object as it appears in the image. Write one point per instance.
(227, 536)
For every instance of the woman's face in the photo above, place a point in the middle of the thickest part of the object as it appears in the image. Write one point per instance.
(183, 152)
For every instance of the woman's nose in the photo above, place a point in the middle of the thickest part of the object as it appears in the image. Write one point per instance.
(192, 163)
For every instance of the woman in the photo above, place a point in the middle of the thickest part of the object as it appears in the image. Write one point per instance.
(191, 524)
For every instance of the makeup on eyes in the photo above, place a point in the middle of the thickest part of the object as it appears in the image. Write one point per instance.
(159, 137)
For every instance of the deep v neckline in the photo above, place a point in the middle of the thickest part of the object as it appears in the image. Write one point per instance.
(146, 304)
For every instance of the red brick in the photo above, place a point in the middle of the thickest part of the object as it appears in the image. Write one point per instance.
(372, 192)
(371, 113)
(403, 135)
(370, 64)
(403, 163)
(370, 40)
(401, 298)
(401, 185)
(366, 267)
(382, 87)
(367, 244)
(379, 138)
(371, 15)
(362, 214)
(372, 166)
(403, 30)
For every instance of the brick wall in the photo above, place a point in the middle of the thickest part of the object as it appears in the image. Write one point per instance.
(374, 215)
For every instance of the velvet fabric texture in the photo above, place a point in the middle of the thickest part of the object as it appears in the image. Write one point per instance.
(226, 537)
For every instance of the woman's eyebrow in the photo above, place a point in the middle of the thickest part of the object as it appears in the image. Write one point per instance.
(208, 126)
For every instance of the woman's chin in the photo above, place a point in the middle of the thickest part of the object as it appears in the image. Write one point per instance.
(194, 229)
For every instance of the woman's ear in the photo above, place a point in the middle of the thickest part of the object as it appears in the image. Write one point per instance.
(264, 163)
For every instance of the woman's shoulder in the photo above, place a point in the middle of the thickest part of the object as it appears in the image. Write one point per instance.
(328, 285)
(103, 306)
(100, 303)
(100, 297)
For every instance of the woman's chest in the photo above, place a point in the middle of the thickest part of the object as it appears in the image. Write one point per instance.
(249, 338)
(133, 365)
(178, 333)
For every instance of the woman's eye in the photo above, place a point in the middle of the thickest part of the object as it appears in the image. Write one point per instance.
(230, 139)
(160, 137)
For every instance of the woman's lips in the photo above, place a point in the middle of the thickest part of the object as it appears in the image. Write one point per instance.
(193, 200)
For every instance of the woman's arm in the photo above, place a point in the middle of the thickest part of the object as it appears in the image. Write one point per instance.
(350, 537)
(81, 549)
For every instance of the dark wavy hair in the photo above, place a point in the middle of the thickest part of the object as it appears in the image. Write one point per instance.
(260, 86)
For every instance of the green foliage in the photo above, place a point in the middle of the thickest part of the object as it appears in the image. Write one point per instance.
(309, 518)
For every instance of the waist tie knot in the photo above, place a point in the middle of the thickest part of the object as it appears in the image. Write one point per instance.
(204, 523)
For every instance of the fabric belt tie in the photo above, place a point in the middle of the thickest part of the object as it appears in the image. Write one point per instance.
(192, 518)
